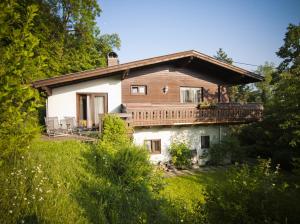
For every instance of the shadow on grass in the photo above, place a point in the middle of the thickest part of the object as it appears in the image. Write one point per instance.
(206, 178)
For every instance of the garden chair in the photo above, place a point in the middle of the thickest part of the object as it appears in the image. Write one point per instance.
(70, 124)
(52, 126)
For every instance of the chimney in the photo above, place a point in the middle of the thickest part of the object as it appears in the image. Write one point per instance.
(112, 59)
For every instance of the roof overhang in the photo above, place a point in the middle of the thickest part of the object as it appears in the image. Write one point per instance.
(227, 73)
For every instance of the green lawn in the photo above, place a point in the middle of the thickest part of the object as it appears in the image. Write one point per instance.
(189, 188)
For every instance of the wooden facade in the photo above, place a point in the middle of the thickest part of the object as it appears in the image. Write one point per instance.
(160, 77)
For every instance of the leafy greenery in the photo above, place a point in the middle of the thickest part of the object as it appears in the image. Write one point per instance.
(278, 136)
(236, 93)
(290, 51)
(44, 185)
(227, 150)
(181, 154)
(183, 193)
(126, 185)
(18, 62)
(250, 195)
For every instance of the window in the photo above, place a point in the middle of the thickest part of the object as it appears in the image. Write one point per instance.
(204, 142)
(139, 90)
(154, 146)
(190, 95)
(89, 107)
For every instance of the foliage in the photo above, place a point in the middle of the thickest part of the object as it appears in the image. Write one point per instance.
(44, 185)
(237, 93)
(115, 132)
(126, 185)
(182, 194)
(181, 154)
(228, 149)
(68, 36)
(222, 56)
(18, 62)
(290, 51)
(265, 88)
(250, 195)
(278, 136)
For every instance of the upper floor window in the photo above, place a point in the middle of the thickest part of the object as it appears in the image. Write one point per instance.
(138, 90)
(190, 95)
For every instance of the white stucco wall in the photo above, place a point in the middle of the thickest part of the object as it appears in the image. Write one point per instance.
(191, 135)
(62, 102)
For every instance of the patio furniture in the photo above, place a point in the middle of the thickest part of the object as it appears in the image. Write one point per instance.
(52, 126)
(70, 124)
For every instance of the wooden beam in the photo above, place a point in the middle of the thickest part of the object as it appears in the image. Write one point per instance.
(125, 74)
(47, 90)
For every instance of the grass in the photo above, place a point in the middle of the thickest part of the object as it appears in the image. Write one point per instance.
(189, 189)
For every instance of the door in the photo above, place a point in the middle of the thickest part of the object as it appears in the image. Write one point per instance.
(89, 107)
(99, 108)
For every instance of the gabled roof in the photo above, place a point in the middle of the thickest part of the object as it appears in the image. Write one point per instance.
(199, 60)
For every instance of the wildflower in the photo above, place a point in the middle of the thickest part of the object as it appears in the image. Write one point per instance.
(10, 211)
(41, 199)
(25, 199)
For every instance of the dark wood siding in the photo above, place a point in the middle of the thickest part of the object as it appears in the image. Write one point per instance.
(157, 78)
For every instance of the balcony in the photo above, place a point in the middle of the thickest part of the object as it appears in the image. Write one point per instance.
(176, 114)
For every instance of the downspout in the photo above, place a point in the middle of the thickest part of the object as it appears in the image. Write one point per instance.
(220, 132)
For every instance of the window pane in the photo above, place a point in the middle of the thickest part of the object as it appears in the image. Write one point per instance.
(190, 95)
(205, 142)
(156, 146)
(99, 107)
(142, 89)
(134, 89)
(148, 144)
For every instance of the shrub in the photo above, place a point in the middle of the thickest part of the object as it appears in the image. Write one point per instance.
(250, 195)
(114, 130)
(126, 186)
(228, 149)
(181, 155)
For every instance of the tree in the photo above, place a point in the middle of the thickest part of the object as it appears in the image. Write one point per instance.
(290, 51)
(278, 135)
(222, 56)
(19, 63)
(265, 87)
(68, 36)
(237, 93)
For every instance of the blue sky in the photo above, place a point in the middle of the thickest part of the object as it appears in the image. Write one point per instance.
(249, 31)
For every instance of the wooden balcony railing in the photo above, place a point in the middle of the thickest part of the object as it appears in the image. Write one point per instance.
(155, 115)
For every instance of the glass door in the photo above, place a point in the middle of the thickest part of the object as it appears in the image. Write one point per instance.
(99, 108)
(89, 107)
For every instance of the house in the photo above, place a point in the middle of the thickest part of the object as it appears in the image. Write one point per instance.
(179, 96)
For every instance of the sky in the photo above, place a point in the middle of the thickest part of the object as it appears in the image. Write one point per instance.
(248, 31)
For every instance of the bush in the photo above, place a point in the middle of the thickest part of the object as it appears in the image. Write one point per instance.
(181, 155)
(125, 188)
(115, 131)
(250, 195)
(228, 149)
